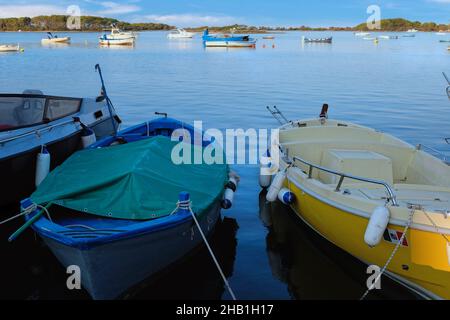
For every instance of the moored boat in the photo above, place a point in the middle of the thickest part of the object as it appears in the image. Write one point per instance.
(231, 41)
(51, 38)
(180, 34)
(390, 37)
(373, 195)
(362, 34)
(38, 132)
(117, 37)
(10, 48)
(123, 210)
(317, 40)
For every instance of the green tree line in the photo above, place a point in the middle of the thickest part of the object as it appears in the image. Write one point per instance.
(399, 24)
(59, 23)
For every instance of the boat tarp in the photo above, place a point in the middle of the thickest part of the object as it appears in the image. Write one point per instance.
(135, 180)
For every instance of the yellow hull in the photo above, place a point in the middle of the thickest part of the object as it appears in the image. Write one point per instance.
(422, 265)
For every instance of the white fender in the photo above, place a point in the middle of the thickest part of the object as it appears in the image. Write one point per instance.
(377, 225)
(228, 196)
(264, 176)
(42, 166)
(88, 137)
(286, 196)
(275, 186)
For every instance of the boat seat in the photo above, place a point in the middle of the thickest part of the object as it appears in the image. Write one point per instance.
(362, 163)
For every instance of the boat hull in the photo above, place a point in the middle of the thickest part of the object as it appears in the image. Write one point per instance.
(231, 44)
(117, 42)
(108, 270)
(346, 230)
(56, 40)
(20, 169)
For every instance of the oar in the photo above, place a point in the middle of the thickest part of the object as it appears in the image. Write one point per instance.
(19, 231)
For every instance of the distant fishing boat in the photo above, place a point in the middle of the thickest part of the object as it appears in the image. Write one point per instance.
(441, 33)
(389, 37)
(228, 41)
(122, 210)
(10, 48)
(317, 40)
(370, 38)
(444, 41)
(409, 36)
(268, 37)
(117, 37)
(362, 34)
(54, 39)
(38, 132)
(180, 34)
(412, 31)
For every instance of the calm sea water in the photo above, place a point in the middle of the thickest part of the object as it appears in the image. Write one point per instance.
(395, 86)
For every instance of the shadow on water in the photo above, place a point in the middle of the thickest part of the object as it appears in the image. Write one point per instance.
(30, 271)
(312, 267)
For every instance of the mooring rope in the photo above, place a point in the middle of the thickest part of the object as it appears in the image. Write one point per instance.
(187, 206)
(408, 224)
(22, 213)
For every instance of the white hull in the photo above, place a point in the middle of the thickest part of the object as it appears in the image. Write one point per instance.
(117, 42)
(56, 40)
(109, 270)
(9, 48)
(231, 44)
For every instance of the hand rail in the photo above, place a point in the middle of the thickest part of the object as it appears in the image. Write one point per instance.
(36, 131)
(342, 176)
(437, 152)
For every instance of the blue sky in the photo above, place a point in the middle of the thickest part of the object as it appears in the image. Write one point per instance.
(252, 12)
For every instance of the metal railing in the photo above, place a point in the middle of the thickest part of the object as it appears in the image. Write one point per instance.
(342, 176)
(438, 153)
(36, 131)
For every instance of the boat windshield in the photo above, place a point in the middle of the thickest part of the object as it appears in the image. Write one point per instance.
(19, 111)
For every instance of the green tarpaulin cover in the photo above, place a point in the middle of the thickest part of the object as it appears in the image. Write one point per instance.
(136, 180)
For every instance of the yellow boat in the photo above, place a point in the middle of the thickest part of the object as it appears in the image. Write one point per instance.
(372, 195)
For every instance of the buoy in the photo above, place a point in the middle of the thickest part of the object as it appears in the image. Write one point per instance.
(264, 46)
(377, 225)
(42, 165)
(264, 176)
(286, 196)
(273, 46)
(87, 137)
(275, 186)
(230, 189)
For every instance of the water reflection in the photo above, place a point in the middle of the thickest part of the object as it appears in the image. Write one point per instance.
(31, 272)
(312, 267)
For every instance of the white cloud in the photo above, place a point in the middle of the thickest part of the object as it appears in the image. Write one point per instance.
(111, 8)
(8, 11)
(191, 20)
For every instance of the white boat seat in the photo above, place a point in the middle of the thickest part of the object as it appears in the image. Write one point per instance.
(361, 163)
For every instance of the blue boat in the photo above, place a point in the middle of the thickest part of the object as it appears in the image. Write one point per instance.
(228, 41)
(122, 210)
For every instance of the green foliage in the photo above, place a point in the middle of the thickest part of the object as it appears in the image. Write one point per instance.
(59, 23)
(399, 24)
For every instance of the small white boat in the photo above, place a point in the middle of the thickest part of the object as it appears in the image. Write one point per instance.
(229, 41)
(370, 38)
(412, 31)
(180, 34)
(441, 33)
(10, 48)
(117, 42)
(118, 37)
(54, 39)
(389, 37)
(362, 34)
